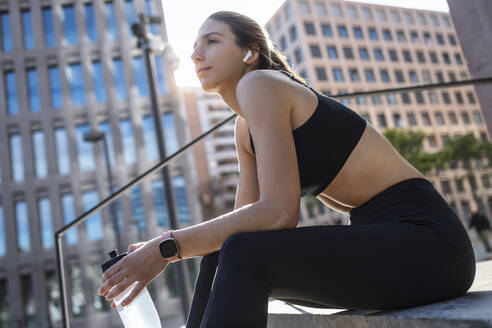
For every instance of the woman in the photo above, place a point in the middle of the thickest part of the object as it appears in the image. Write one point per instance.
(404, 247)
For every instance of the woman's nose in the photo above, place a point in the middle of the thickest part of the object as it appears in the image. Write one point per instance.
(196, 56)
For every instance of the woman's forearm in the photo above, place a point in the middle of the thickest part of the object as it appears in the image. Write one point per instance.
(208, 236)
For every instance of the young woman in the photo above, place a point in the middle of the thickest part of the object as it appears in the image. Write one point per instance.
(404, 246)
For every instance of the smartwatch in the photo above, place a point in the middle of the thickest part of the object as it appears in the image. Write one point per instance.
(169, 247)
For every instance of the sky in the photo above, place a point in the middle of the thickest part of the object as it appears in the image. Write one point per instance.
(184, 18)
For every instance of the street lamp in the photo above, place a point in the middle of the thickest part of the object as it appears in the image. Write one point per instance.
(147, 43)
(95, 137)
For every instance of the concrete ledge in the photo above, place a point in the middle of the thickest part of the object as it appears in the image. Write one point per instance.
(473, 310)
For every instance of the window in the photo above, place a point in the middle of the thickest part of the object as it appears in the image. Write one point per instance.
(445, 97)
(452, 118)
(3, 251)
(321, 74)
(411, 119)
(138, 210)
(373, 34)
(90, 22)
(98, 81)
(288, 11)
(420, 56)
(420, 97)
(381, 14)
(433, 97)
(315, 51)
(55, 87)
(393, 56)
(111, 20)
(452, 76)
(22, 224)
(11, 93)
(407, 56)
(321, 9)
(446, 58)
(366, 13)
(119, 79)
(68, 209)
(62, 151)
(395, 17)
(128, 142)
(463, 75)
(336, 10)
(434, 20)
(465, 118)
(77, 289)
(445, 21)
(98, 302)
(342, 32)
(337, 73)
(427, 38)
(366, 116)
(44, 212)
(33, 90)
(39, 150)
(326, 28)
(150, 138)
(445, 187)
(298, 55)
(439, 38)
(471, 98)
(414, 36)
(426, 76)
(75, 78)
(413, 76)
(391, 98)
(283, 43)
(352, 13)
(160, 74)
(364, 55)
(28, 302)
(332, 52)
(28, 36)
(358, 33)
(421, 19)
(452, 39)
(444, 139)
(382, 120)
(347, 51)
(170, 134)
(376, 100)
(387, 35)
(459, 97)
(458, 59)
(408, 17)
(140, 76)
(309, 28)
(401, 36)
(433, 57)
(459, 185)
(384, 76)
(485, 180)
(354, 75)
(439, 118)
(378, 54)
(477, 117)
(399, 76)
(439, 77)
(181, 199)
(130, 15)
(16, 157)
(160, 204)
(397, 120)
(6, 31)
(69, 25)
(426, 118)
(304, 7)
(93, 223)
(369, 75)
(292, 33)
(85, 151)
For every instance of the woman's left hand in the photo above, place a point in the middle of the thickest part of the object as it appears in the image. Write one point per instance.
(142, 265)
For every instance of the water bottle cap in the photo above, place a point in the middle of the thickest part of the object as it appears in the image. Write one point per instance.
(114, 258)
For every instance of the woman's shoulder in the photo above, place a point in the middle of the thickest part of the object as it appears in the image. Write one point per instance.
(264, 77)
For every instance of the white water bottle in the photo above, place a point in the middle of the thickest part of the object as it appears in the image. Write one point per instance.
(141, 312)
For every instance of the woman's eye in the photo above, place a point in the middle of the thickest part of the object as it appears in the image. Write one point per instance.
(210, 40)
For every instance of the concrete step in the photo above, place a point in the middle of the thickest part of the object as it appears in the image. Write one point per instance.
(474, 309)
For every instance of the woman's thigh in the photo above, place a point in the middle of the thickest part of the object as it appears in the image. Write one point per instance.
(379, 266)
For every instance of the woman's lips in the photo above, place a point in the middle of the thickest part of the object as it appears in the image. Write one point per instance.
(203, 71)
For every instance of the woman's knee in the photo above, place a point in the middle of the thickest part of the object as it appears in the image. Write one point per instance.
(237, 250)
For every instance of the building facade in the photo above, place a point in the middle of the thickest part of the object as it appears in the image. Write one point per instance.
(344, 46)
(70, 67)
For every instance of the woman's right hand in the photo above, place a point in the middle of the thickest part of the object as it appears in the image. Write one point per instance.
(135, 246)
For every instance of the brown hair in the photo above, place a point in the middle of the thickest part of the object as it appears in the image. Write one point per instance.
(247, 32)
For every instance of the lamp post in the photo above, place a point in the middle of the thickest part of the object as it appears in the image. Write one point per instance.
(146, 42)
(95, 137)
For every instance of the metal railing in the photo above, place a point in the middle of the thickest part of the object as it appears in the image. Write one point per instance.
(59, 234)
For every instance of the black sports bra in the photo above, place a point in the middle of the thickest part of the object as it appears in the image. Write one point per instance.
(331, 122)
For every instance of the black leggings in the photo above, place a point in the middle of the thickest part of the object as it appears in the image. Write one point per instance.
(404, 247)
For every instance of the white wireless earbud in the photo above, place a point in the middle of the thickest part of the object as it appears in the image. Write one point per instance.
(249, 54)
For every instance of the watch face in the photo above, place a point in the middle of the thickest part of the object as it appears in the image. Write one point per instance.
(168, 248)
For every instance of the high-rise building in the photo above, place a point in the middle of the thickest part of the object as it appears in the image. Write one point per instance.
(69, 68)
(344, 46)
